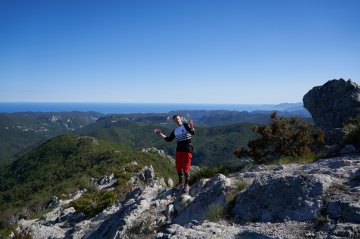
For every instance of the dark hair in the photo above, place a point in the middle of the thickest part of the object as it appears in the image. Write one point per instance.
(174, 116)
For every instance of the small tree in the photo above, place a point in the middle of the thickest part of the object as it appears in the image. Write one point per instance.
(352, 131)
(282, 137)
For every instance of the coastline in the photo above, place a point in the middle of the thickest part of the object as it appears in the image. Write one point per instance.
(127, 108)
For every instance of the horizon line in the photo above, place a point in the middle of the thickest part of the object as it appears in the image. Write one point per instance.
(166, 103)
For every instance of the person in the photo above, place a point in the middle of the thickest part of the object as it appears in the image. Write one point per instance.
(182, 133)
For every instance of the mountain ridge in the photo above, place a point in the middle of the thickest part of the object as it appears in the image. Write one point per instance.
(20, 132)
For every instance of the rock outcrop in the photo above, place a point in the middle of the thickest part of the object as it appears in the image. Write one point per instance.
(333, 103)
(278, 198)
(316, 200)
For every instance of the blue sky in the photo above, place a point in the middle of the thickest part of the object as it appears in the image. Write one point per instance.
(175, 51)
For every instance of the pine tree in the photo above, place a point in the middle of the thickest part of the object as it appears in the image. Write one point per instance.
(282, 137)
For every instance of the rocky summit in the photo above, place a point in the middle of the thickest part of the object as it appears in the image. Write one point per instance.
(315, 200)
(333, 103)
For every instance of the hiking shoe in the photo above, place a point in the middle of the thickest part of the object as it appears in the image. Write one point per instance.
(186, 187)
(179, 185)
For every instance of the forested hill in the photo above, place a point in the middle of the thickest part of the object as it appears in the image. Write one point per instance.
(64, 165)
(20, 132)
(212, 145)
(217, 117)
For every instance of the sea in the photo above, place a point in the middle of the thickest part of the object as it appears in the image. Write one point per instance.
(122, 108)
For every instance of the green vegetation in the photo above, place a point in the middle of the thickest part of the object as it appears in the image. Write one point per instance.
(21, 234)
(215, 145)
(215, 212)
(283, 138)
(301, 159)
(352, 129)
(212, 145)
(4, 233)
(19, 132)
(93, 203)
(240, 185)
(65, 164)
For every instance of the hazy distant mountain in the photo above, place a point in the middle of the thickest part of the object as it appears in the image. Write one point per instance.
(289, 107)
(222, 117)
(19, 131)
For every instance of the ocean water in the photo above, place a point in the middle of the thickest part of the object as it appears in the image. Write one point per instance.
(119, 108)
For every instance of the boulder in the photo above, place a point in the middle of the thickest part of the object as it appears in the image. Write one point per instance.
(346, 211)
(147, 173)
(282, 198)
(212, 193)
(169, 182)
(333, 103)
(348, 149)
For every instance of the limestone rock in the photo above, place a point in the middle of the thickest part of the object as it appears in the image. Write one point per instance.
(288, 197)
(169, 182)
(315, 200)
(332, 104)
(213, 192)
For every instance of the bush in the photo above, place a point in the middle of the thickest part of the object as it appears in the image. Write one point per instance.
(93, 203)
(5, 233)
(121, 175)
(281, 138)
(21, 234)
(352, 129)
(122, 189)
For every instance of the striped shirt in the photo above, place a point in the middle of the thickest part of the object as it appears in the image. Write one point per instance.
(182, 134)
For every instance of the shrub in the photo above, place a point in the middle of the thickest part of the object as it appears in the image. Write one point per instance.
(5, 233)
(22, 234)
(122, 188)
(121, 175)
(240, 185)
(301, 159)
(282, 137)
(232, 194)
(93, 203)
(352, 129)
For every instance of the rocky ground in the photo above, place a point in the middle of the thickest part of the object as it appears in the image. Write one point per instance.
(317, 200)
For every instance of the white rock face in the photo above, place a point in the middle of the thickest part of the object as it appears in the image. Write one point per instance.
(282, 197)
(317, 200)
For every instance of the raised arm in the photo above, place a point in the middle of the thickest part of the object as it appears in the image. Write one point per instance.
(167, 138)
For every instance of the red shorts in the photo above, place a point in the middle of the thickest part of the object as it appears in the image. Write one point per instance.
(183, 161)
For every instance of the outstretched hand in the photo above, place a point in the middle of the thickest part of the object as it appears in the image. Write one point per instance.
(158, 131)
(191, 123)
